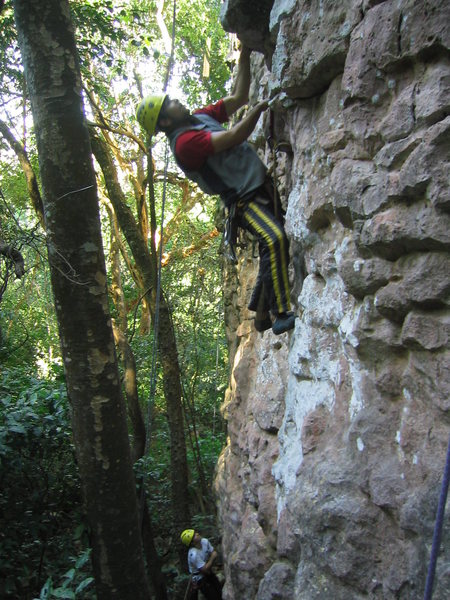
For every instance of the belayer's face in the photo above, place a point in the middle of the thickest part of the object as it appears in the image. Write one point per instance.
(197, 538)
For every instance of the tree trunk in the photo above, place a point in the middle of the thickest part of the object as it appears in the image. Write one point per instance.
(131, 393)
(125, 351)
(130, 384)
(79, 285)
(154, 562)
(146, 265)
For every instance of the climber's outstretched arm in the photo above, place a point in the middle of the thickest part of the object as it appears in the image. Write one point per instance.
(239, 96)
(223, 140)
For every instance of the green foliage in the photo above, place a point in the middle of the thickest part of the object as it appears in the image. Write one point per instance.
(40, 501)
(194, 288)
(200, 36)
(75, 583)
(107, 34)
(28, 331)
(11, 72)
(120, 44)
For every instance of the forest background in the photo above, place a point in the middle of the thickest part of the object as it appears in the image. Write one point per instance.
(125, 51)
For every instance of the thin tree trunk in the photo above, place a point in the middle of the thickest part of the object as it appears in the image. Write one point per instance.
(125, 351)
(79, 285)
(131, 393)
(153, 560)
(134, 409)
(146, 265)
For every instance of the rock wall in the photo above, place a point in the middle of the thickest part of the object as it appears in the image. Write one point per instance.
(329, 484)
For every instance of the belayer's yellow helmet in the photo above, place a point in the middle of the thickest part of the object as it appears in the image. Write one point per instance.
(148, 112)
(187, 536)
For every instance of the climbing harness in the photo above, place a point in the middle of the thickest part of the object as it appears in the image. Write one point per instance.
(231, 228)
(230, 235)
(438, 529)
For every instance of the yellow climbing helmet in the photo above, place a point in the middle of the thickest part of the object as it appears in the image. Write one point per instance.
(148, 112)
(187, 536)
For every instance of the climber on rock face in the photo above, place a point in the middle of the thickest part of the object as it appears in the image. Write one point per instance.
(201, 557)
(221, 162)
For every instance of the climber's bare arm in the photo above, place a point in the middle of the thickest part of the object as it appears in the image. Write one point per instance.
(223, 140)
(239, 96)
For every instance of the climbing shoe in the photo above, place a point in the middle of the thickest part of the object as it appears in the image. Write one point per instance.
(263, 324)
(283, 322)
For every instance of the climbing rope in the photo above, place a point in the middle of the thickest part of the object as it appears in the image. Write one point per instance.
(159, 265)
(438, 529)
(187, 595)
(273, 146)
(157, 303)
(172, 48)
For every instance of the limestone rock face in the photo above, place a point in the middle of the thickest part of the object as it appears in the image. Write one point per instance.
(338, 430)
(252, 26)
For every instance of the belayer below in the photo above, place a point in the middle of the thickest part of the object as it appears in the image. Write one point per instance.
(201, 557)
(221, 162)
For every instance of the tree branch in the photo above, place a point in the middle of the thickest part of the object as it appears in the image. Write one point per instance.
(30, 177)
(15, 256)
(162, 27)
(178, 253)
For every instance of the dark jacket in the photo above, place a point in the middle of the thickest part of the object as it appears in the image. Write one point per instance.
(232, 174)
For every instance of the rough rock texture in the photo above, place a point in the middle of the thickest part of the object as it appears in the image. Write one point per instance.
(249, 22)
(329, 484)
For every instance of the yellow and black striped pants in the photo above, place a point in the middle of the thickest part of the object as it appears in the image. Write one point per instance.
(273, 252)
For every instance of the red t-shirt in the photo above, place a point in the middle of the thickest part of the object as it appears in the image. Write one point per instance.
(193, 147)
